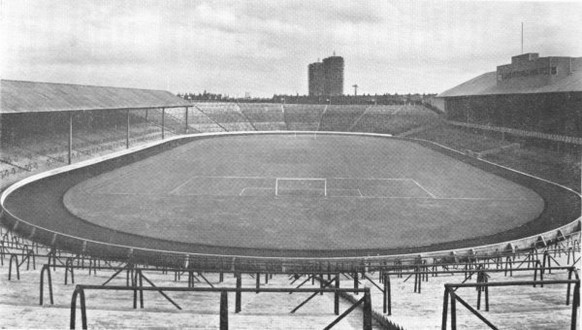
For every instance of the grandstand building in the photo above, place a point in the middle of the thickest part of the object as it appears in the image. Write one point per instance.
(532, 93)
(326, 78)
(53, 116)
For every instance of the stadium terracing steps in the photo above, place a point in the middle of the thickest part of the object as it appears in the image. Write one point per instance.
(340, 118)
(216, 117)
(264, 116)
(202, 123)
(227, 115)
(303, 117)
(511, 307)
(174, 124)
(19, 306)
(393, 119)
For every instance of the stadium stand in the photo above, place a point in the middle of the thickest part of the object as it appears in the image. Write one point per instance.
(173, 119)
(458, 139)
(38, 119)
(201, 122)
(90, 138)
(394, 119)
(303, 117)
(533, 93)
(340, 117)
(264, 116)
(227, 115)
(560, 166)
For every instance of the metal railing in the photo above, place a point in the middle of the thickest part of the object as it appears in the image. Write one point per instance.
(450, 294)
(79, 294)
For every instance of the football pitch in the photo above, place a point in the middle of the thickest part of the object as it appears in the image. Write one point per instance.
(304, 192)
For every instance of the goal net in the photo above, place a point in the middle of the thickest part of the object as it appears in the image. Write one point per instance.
(305, 187)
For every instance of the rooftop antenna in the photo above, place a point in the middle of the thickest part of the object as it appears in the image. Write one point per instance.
(522, 37)
(355, 86)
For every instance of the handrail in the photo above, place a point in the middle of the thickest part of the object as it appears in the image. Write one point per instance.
(565, 230)
(79, 294)
(451, 295)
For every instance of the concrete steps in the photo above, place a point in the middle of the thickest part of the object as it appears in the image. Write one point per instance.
(109, 309)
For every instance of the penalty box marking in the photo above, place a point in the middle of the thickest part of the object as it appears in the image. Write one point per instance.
(245, 189)
(213, 177)
(173, 191)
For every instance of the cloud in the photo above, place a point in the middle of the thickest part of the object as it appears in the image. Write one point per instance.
(264, 46)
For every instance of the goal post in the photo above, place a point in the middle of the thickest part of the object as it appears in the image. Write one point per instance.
(307, 187)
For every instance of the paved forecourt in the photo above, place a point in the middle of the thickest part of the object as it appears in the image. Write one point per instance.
(304, 192)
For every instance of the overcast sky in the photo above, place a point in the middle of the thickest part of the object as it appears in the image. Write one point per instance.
(264, 47)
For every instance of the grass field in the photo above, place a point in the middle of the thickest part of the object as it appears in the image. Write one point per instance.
(260, 192)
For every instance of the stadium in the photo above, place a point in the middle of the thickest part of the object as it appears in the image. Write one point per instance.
(263, 188)
(139, 208)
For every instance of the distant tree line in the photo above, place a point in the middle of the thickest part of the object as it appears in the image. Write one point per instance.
(383, 99)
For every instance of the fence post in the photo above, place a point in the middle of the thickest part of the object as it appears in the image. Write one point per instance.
(83, 309)
(50, 283)
(223, 310)
(81, 293)
(137, 281)
(238, 294)
(73, 317)
(336, 295)
(453, 310)
(367, 310)
(69, 268)
(386, 294)
(29, 255)
(15, 258)
(575, 305)
(568, 287)
(140, 285)
(419, 278)
(445, 306)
